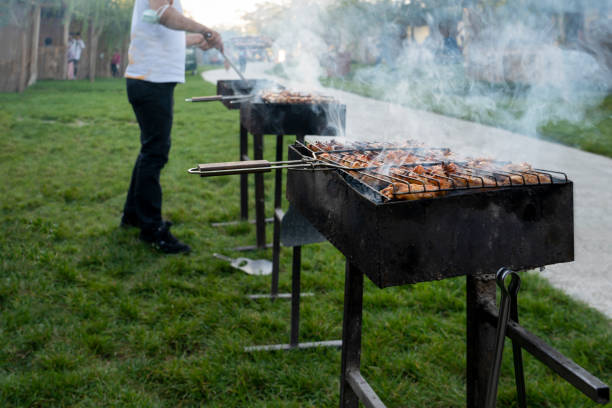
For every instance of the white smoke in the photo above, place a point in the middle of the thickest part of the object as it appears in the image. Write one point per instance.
(512, 68)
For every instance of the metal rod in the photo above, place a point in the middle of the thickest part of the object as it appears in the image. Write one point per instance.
(364, 391)
(279, 296)
(502, 324)
(577, 376)
(260, 203)
(223, 257)
(300, 346)
(216, 98)
(295, 295)
(278, 214)
(209, 35)
(480, 338)
(351, 334)
(517, 354)
(231, 64)
(276, 248)
(244, 178)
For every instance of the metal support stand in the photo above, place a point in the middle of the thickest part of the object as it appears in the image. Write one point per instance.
(295, 315)
(295, 294)
(480, 338)
(353, 387)
(482, 318)
(244, 178)
(244, 191)
(260, 199)
(278, 217)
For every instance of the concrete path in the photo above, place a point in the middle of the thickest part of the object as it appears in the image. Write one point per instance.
(589, 277)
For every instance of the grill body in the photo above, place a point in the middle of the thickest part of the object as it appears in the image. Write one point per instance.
(293, 119)
(234, 87)
(466, 232)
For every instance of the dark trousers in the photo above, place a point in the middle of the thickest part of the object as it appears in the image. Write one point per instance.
(152, 104)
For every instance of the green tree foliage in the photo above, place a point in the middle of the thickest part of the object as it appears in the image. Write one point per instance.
(111, 17)
(12, 11)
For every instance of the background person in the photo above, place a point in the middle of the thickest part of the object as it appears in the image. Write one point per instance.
(156, 65)
(75, 48)
(242, 60)
(70, 57)
(115, 64)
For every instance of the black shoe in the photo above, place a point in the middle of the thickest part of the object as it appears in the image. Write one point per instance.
(162, 240)
(129, 222)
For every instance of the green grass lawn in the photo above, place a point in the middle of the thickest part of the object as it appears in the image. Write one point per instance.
(92, 317)
(593, 133)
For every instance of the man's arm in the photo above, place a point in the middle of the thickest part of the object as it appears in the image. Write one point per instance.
(174, 20)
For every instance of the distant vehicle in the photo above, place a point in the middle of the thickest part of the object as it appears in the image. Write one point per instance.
(191, 62)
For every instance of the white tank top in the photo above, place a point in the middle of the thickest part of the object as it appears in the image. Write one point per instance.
(157, 53)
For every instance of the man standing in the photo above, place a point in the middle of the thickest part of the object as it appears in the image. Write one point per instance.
(156, 65)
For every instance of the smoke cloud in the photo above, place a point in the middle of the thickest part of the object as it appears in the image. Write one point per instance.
(519, 66)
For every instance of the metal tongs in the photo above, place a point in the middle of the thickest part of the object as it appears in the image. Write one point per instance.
(508, 309)
(221, 98)
(265, 166)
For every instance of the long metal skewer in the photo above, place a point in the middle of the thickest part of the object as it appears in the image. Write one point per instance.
(233, 66)
(217, 98)
(209, 35)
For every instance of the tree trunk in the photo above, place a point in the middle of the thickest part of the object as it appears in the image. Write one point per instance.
(93, 51)
(35, 41)
(21, 85)
(94, 33)
(64, 50)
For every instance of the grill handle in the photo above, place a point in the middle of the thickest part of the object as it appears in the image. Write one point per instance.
(264, 166)
(228, 168)
(205, 98)
(215, 98)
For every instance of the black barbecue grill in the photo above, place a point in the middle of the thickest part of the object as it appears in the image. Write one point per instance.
(479, 221)
(482, 223)
(259, 118)
(404, 214)
(236, 87)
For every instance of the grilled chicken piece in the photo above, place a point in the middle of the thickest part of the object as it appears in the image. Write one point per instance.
(287, 96)
(404, 191)
(392, 169)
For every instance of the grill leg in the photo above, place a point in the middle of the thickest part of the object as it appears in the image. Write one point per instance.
(480, 338)
(295, 296)
(351, 334)
(278, 191)
(244, 178)
(260, 216)
(278, 181)
(294, 343)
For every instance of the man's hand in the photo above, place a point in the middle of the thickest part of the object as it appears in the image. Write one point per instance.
(212, 39)
(174, 20)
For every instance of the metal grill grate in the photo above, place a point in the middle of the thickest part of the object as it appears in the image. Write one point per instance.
(411, 171)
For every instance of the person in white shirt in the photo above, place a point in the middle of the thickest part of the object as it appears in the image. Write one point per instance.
(75, 48)
(156, 64)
